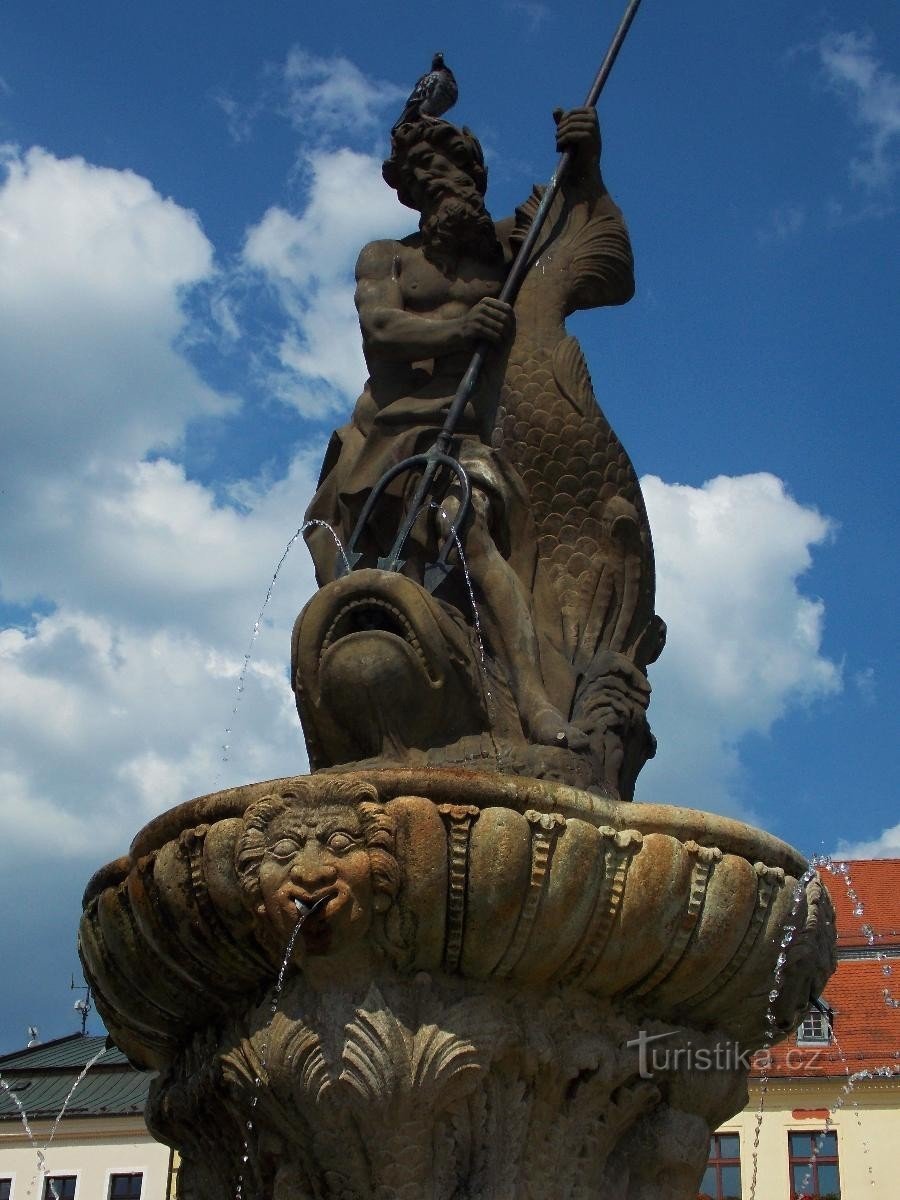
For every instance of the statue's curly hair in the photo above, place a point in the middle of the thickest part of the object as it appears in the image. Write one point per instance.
(460, 146)
(378, 829)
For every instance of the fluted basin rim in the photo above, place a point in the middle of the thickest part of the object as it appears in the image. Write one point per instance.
(459, 786)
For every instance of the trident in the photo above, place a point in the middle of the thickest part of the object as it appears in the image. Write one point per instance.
(439, 455)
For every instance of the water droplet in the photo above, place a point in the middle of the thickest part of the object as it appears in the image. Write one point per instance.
(887, 969)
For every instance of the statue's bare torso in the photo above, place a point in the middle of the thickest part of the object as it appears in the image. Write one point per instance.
(413, 315)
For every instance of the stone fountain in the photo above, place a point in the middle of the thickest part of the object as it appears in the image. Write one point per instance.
(487, 935)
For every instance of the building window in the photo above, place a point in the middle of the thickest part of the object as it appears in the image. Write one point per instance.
(815, 1029)
(125, 1187)
(60, 1187)
(5, 1189)
(814, 1166)
(722, 1177)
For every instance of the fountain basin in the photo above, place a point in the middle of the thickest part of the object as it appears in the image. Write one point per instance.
(666, 912)
(468, 1010)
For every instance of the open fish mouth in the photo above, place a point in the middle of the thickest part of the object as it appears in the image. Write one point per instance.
(369, 614)
(379, 666)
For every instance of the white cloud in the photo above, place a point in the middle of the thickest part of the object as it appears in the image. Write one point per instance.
(866, 684)
(851, 66)
(887, 845)
(239, 118)
(113, 706)
(744, 644)
(92, 265)
(331, 95)
(308, 259)
(105, 727)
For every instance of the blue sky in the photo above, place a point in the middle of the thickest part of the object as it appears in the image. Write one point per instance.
(183, 192)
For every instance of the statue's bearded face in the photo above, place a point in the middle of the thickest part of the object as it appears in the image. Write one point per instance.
(458, 224)
(439, 177)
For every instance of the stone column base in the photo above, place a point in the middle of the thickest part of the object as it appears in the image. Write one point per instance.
(434, 1088)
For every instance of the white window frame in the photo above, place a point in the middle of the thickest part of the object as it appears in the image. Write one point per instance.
(56, 1173)
(142, 1171)
(815, 1016)
(11, 1176)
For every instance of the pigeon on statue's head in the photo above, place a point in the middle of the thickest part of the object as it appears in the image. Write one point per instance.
(434, 93)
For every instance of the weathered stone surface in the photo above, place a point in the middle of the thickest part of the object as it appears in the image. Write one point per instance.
(439, 1089)
(455, 1021)
(442, 966)
(549, 677)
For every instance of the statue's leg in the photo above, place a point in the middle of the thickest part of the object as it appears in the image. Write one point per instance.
(508, 626)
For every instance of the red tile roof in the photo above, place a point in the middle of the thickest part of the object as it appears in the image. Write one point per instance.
(866, 1024)
(866, 1028)
(870, 884)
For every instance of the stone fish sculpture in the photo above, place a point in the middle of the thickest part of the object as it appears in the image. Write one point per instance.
(427, 969)
(558, 548)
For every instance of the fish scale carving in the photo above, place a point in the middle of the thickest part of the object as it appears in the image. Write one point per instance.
(572, 464)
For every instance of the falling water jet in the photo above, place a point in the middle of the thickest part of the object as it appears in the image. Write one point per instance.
(314, 523)
(41, 1151)
(787, 937)
(485, 681)
(41, 1164)
(842, 871)
(71, 1092)
(846, 1091)
(304, 912)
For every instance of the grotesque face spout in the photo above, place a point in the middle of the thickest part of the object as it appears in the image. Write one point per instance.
(380, 668)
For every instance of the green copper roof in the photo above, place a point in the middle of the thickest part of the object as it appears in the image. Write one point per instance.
(42, 1077)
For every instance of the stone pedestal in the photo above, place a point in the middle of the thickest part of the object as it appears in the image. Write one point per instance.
(514, 988)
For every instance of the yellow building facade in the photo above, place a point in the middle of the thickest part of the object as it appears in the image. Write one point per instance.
(823, 1120)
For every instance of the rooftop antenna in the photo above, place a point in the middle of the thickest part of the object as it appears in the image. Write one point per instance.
(83, 1005)
(33, 1036)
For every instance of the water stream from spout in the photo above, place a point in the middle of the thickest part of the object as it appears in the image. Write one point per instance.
(242, 677)
(41, 1165)
(846, 1093)
(842, 871)
(303, 915)
(70, 1094)
(787, 936)
(490, 703)
(41, 1151)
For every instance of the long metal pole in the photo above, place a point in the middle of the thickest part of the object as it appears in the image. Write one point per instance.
(522, 261)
